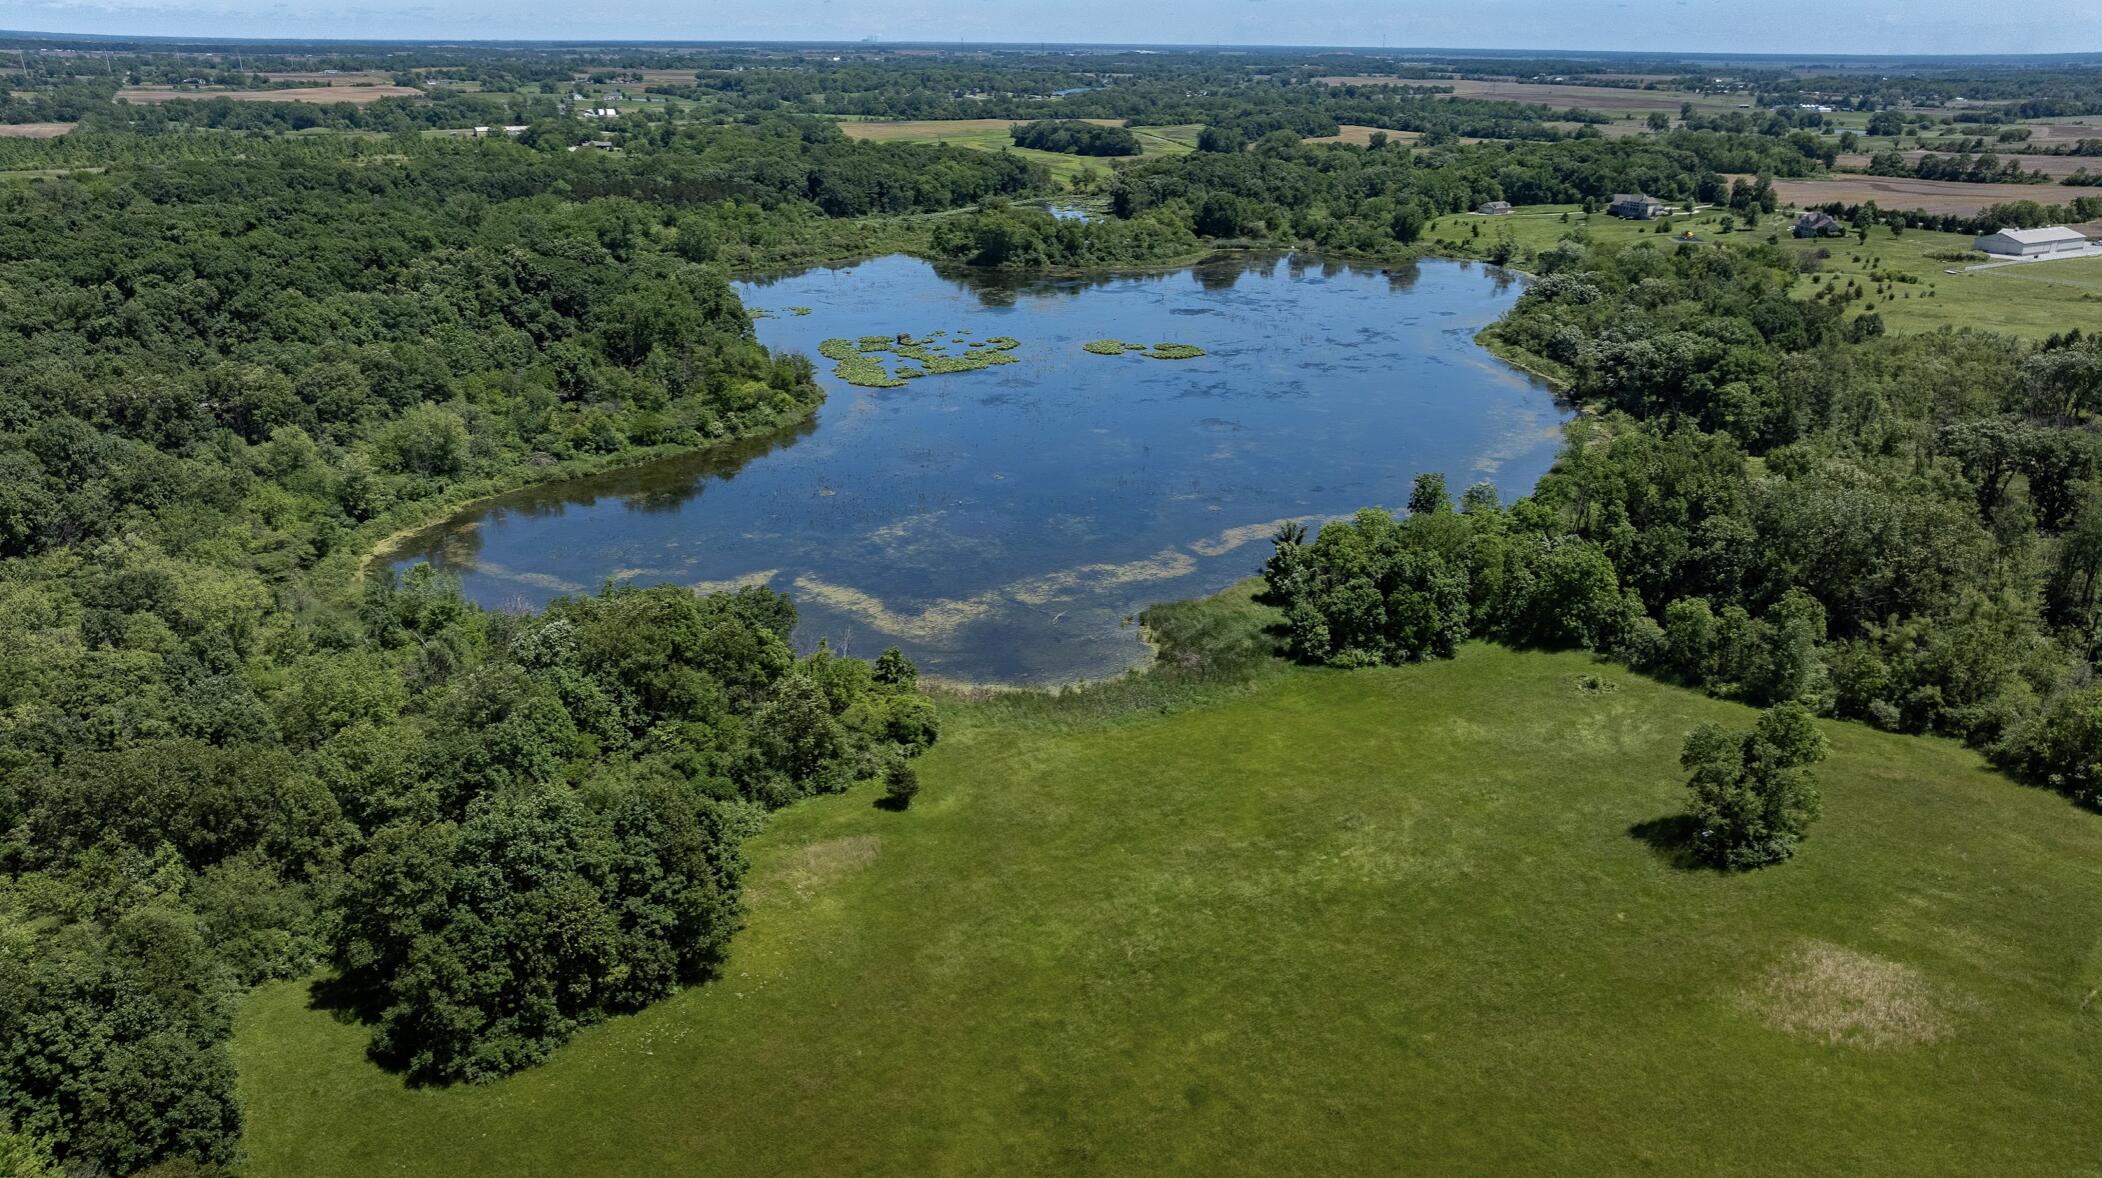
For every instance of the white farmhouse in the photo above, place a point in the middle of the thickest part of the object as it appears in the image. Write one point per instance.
(2031, 243)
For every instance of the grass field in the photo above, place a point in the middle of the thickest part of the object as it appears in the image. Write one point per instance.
(1418, 920)
(2031, 301)
(993, 135)
(34, 130)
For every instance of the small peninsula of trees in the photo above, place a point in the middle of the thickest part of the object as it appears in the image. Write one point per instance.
(1076, 137)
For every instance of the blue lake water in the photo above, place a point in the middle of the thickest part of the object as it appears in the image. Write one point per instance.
(1006, 525)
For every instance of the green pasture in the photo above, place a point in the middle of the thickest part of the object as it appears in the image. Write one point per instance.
(1417, 920)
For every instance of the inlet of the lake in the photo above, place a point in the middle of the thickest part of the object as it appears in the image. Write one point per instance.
(1006, 525)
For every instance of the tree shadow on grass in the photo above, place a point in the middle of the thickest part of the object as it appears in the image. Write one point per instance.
(345, 1001)
(1671, 839)
(354, 1005)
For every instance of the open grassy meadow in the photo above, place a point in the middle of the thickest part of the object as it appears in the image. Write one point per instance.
(993, 135)
(1419, 920)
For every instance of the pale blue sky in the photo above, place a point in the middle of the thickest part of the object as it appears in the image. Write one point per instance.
(1769, 26)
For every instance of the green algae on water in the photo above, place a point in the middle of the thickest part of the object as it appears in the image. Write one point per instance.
(857, 361)
(1163, 351)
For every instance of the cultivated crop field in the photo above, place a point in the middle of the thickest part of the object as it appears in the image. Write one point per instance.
(1558, 95)
(1933, 196)
(325, 78)
(1426, 919)
(34, 130)
(357, 94)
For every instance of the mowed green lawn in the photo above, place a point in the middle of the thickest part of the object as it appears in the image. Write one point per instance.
(2031, 300)
(1377, 921)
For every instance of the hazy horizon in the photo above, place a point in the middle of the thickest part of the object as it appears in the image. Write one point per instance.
(1677, 28)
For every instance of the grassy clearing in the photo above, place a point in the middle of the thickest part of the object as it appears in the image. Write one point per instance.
(1395, 920)
(993, 135)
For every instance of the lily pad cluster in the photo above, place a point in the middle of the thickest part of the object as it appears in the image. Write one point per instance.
(1111, 347)
(859, 363)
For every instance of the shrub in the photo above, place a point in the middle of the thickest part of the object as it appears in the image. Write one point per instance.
(2061, 746)
(1753, 794)
(901, 782)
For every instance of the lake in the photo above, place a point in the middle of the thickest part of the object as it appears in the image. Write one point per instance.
(1005, 525)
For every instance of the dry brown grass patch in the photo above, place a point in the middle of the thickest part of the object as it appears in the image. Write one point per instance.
(806, 871)
(1826, 992)
(33, 130)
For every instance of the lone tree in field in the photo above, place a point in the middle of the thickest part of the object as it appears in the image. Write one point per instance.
(1753, 793)
(901, 782)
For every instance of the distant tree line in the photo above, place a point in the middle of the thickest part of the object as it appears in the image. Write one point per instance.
(1984, 168)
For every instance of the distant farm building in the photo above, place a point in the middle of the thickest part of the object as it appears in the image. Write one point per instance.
(2031, 243)
(1636, 207)
(1818, 225)
(1495, 208)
